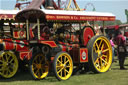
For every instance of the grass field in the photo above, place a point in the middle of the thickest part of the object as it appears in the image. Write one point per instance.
(113, 77)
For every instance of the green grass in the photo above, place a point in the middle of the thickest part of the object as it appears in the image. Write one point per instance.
(113, 77)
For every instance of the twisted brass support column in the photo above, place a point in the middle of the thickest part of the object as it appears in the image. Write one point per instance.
(38, 24)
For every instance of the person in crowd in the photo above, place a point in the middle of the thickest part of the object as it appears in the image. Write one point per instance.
(113, 47)
(120, 41)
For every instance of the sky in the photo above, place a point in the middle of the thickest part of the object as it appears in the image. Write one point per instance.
(117, 7)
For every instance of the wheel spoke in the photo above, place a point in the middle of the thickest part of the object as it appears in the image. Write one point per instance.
(105, 50)
(3, 59)
(5, 72)
(60, 70)
(104, 56)
(12, 65)
(104, 61)
(59, 61)
(35, 60)
(98, 65)
(58, 66)
(97, 61)
(43, 70)
(100, 62)
(9, 71)
(42, 59)
(66, 70)
(34, 64)
(39, 74)
(66, 62)
(64, 59)
(97, 46)
(102, 47)
(6, 57)
(95, 49)
(11, 60)
(37, 71)
(68, 66)
(39, 59)
(100, 43)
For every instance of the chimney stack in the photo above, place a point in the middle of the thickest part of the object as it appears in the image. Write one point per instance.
(49, 4)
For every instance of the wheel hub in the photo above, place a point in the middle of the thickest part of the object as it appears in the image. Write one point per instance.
(5, 64)
(38, 66)
(62, 65)
(99, 53)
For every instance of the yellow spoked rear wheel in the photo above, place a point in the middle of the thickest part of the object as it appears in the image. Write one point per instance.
(39, 66)
(100, 54)
(63, 66)
(8, 64)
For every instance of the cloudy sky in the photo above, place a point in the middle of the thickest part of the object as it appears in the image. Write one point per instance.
(117, 7)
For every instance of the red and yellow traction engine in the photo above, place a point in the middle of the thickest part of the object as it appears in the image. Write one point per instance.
(56, 40)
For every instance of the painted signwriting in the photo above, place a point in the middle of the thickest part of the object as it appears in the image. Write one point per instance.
(82, 18)
(7, 16)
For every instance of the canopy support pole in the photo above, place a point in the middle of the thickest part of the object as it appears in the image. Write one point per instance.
(27, 28)
(38, 24)
(104, 28)
(93, 24)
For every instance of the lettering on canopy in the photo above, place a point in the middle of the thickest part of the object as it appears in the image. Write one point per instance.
(7, 16)
(79, 18)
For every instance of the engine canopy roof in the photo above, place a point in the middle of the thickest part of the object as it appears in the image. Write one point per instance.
(8, 14)
(63, 15)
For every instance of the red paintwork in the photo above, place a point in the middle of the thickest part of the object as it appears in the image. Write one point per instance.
(8, 44)
(116, 27)
(25, 55)
(50, 43)
(126, 34)
(21, 47)
(74, 38)
(31, 33)
(83, 55)
(87, 35)
(16, 34)
(24, 51)
(63, 47)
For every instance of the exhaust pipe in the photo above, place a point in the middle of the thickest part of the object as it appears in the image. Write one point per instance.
(49, 4)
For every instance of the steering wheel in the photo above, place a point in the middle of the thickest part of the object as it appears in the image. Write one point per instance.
(46, 30)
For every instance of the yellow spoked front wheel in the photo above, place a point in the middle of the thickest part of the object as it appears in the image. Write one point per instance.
(100, 54)
(63, 66)
(39, 66)
(8, 64)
